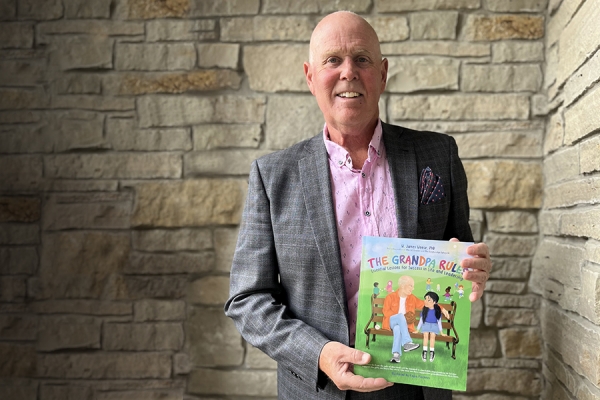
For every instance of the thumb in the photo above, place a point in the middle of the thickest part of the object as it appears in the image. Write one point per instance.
(360, 358)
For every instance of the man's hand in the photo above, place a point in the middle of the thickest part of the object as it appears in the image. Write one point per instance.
(336, 360)
(476, 269)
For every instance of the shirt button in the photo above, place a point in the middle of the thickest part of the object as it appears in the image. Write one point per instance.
(363, 174)
(368, 213)
(340, 162)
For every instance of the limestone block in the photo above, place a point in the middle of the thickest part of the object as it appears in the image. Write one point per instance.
(150, 287)
(181, 364)
(163, 264)
(16, 35)
(17, 98)
(291, 6)
(554, 133)
(291, 119)
(476, 314)
(511, 301)
(512, 222)
(177, 30)
(77, 130)
(18, 233)
(225, 242)
(189, 203)
(500, 144)
(205, 8)
(576, 350)
(155, 56)
(68, 332)
(510, 268)
(550, 260)
(511, 287)
(218, 55)
(562, 165)
(13, 289)
(433, 25)
(212, 339)
(18, 327)
(459, 107)
(579, 122)
(584, 191)
(81, 264)
(66, 392)
(162, 110)
(580, 82)
(516, 5)
(509, 245)
(256, 359)
(157, 240)
(276, 67)
(74, 83)
(503, 52)
(213, 136)
(414, 5)
(91, 307)
(21, 72)
(501, 78)
(262, 384)
(477, 230)
(390, 28)
(19, 116)
(509, 317)
(590, 293)
(592, 251)
(84, 51)
(210, 290)
(436, 48)
(48, 31)
(21, 391)
(142, 365)
(122, 135)
(153, 394)
(525, 382)
(558, 21)
(40, 9)
(266, 28)
(21, 173)
(20, 209)
(144, 9)
(18, 360)
(22, 260)
(507, 184)
(114, 166)
(158, 310)
(220, 162)
(581, 223)
(407, 75)
(8, 10)
(142, 337)
(452, 127)
(87, 211)
(589, 159)
(550, 222)
(480, 27)
(179, 82)
(89, 102)
(22, 139)
(71, 185)
(87, 9)
(582, 30)
(482, 344)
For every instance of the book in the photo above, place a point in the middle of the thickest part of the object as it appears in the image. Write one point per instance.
(423, 273)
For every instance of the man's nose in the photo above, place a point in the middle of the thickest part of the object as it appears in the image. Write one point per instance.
(348, 70)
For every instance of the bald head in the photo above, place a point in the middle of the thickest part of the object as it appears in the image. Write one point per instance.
(342, 23)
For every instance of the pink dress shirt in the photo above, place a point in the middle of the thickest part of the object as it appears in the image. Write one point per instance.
(364, 205)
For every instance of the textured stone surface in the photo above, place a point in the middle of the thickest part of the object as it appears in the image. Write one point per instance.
(142, 337)
(516, 5)
(501, 317)
(258, 383)
(216, 136)
(275, 68)
(179, 30)
(82, 52)
(524, 382)
(581, 223)
(411, 5)
(68, 332)
(502, 27)
(16, 35)
(549, 261)
(517, 52)
(18, 328)
(433, 25)
(19, 209)
(510, 268)
(501, 78)
(562, 166)
(584, 79)
(20, 360)
(582, 191)
(204, 8)
(258, 360)
(87, 211)
(440, 48)
(157, 9)
(212, 290)
(218, 55)
(219, 162)
(390, 28)
(163, 264)
(504, 184)
(122, 134)
(158, 240)
(483, 344)
(206, 80)
(509, 245)
(19, 234)
(578, 121)
(18, 260)
(512, 222)
(225, 242)
(158, 310)
(282, 124)
(160, 56)
(499, 144)
(188, 203)
(267, 28)
(407, 75)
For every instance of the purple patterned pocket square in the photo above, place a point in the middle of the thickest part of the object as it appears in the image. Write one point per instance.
(431, 189)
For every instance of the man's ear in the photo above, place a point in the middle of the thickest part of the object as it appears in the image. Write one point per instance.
(384, 73)
(308, 74)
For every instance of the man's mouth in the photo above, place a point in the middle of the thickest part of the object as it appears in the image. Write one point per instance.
(349, 94)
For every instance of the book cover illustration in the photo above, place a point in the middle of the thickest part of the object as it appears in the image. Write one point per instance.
(414, 312)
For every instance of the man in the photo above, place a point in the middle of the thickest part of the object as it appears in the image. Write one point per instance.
(399, 316)
(294, 278)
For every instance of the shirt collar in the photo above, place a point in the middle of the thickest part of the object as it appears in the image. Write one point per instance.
(341, 156)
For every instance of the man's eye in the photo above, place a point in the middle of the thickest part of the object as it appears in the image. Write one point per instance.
(333, 60)
(362, 59)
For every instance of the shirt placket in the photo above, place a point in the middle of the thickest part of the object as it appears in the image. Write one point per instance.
(366, 199)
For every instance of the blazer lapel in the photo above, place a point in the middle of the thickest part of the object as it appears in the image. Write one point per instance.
(403, 168)
(316, 187)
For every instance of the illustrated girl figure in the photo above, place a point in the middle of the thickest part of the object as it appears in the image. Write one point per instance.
(430, 324)
(388, 288)
(447, 295)
(375, 289)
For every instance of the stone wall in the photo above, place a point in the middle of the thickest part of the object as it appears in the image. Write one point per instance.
(126, 132)
(566, 266)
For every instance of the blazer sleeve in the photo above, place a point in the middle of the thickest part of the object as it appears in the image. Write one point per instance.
(257, 302)
(458, 218)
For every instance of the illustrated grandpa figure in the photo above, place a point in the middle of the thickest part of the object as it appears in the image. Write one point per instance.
(294, 277)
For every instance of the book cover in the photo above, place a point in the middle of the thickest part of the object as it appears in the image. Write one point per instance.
(411, 294)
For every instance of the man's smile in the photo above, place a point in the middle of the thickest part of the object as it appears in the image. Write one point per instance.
(349, 94)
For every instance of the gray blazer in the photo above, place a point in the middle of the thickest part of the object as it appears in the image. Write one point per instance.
(287, 293)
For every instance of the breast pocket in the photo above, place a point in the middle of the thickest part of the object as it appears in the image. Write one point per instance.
(432, 220)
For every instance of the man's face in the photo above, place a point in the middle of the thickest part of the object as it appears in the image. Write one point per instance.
(406, 287)
(346, 73)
